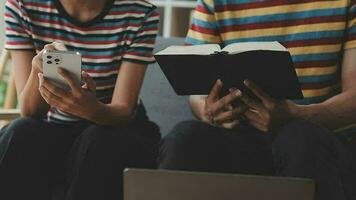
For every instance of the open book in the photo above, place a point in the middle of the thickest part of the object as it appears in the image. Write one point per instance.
(208, 49)
(193, 70)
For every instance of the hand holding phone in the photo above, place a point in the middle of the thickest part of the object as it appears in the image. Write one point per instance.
(68, 60)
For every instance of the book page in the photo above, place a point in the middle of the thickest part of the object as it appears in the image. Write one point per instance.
(253, 46)
(204, 49)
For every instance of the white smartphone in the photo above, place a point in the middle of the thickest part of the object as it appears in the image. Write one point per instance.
(68, 60)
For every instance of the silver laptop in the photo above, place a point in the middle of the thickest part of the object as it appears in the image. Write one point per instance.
(177, 185)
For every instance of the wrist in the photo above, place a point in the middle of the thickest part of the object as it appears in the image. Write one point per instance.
(108, 114)
(306, 112)
(95, 114)
(296, 111)
(30, 89)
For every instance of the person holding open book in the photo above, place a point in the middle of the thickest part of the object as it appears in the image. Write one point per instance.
(312, 137)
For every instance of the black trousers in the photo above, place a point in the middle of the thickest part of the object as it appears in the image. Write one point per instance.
(300, 149)
(87, 159)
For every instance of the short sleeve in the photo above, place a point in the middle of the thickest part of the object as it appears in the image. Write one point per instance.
(204, 29)
(350, 40)
(17, 31)
(140, 48)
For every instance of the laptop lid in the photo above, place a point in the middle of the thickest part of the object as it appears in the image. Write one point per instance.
(178, 185)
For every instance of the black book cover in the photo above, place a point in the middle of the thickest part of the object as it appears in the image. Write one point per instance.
(272, 71)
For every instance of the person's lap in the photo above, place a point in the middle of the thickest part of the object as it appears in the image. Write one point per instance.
(37, 156)
(101, 153)
(36, 149)
(303, 149)
(197, 146)
(300, 149)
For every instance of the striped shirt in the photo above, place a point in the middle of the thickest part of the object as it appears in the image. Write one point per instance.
(316, 32)
(124, 31)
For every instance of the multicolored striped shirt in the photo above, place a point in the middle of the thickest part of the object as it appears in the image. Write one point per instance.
(316, 32)
(124, 31)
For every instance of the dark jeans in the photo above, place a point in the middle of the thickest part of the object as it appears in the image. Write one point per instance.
(89, 158)
(300, 149)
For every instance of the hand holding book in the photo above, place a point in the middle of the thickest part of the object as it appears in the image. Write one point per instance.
(267, 114)
(193, 70)
(264, 112)
(223, 112)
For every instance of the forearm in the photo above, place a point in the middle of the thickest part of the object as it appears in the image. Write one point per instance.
(336, 112)
(112, 114)
(31, 102)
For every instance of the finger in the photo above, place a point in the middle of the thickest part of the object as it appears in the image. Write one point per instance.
(37, 59)
(46, 47)
(257, 91)
(225, 101)
(49, 47)
(89, 81)
(56, 101)
(230, 125)
(256, 119)
(40, 79)
(234, 114)
(215, 91)
(59, 45)
(259, 126)
(253, 116)
(232, 89)
(252, 103)
(49, 97)
(54, 89)
(228, 108)
(224, 117)
(73, 84)
(43, 94)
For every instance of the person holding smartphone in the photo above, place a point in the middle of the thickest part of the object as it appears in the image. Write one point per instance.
(82, 136)
(314, 137)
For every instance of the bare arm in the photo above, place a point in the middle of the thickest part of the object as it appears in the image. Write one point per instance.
(81, 100)
(26, 80)
(339, 110)
(125, 97)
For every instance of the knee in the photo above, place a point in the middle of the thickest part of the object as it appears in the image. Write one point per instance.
(301, 134)
(298, 145)
(101, 140)
(185, 134)
(21, 124)
(187, 130)
(23, 130)
(97, 135)
(122, 146)
(20, 141)
(183, 146)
